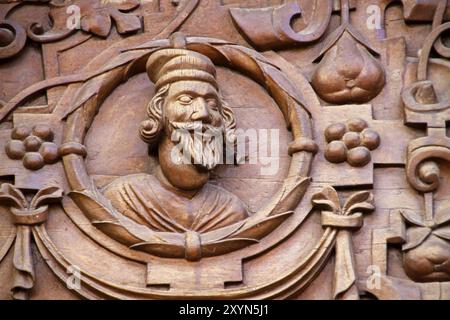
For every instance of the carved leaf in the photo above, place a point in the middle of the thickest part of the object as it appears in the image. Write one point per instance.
(281, 205)
(12, 197)
(443, 232)
(416, 235)
(260, 228)
(126, 5)
(96, 23)
(113, 223)
(125, 23)
(287, 85)
(413, 217)
(45, 196)
(290, 198)
(222, 233)
(327, 199)
(244, 241)
(164, 250)
(87, 91)
(276, 33)
(442, 213)
(360, 201)
(117, 231)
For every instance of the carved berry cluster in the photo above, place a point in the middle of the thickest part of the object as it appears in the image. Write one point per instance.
(33, 146)
(350, 142)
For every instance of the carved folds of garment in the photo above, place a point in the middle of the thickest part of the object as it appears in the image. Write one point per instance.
(146, 200)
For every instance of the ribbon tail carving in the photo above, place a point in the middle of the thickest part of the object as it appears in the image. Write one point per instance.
(23, 263)
(344, 287)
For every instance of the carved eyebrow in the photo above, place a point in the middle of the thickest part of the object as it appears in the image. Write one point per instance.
(193, 93)
(189, 92)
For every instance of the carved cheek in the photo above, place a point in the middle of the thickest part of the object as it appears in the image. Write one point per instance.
(216, 118)
(177, 112)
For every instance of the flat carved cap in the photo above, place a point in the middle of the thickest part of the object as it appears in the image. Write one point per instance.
(170, 65)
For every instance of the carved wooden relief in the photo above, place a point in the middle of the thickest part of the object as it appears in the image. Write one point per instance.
(224, 149)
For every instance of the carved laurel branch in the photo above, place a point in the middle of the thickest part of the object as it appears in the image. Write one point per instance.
(282, 286)
(190, 245)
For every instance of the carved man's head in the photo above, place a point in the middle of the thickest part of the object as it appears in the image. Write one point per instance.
(187, 101)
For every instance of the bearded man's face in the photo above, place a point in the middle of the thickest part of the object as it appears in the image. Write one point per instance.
(193, 120)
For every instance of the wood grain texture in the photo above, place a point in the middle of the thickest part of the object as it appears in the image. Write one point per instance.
(333, 115)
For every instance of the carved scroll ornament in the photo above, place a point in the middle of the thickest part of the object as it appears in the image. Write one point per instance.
(274, 23)
(423, 106)
(95, 18)
(426, 242)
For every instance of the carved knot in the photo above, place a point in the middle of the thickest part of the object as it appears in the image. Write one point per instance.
(25, 211)
(178, 40)
(193, 246)
(29, 216)
(302, 144)
(72, 148)
(330, 219)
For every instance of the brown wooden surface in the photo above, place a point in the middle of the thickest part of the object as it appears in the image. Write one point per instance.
(92, 205)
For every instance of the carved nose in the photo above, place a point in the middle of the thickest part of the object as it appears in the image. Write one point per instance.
(201, 112)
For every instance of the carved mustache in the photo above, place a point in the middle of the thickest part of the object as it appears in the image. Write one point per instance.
(197, 127)
(207, 151)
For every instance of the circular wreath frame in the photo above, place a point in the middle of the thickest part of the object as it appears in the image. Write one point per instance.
(191, 245)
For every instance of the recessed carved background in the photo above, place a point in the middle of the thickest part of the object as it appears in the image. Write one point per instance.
(357, 91)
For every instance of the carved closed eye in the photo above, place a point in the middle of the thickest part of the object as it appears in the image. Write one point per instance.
(185, 99)
(212, 103)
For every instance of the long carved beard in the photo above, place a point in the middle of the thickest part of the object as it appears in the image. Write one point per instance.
(199, 144)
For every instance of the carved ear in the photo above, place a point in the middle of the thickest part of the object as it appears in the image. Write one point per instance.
(151, 128)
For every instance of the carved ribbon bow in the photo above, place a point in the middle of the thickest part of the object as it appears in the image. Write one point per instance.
(26, 214)
(344, 219)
